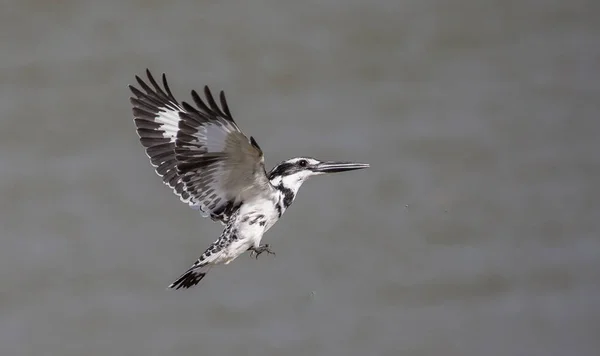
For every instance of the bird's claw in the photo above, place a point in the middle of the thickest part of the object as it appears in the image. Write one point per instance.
(260, 249)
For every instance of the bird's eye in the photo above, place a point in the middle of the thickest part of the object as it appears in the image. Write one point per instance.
(302, 163)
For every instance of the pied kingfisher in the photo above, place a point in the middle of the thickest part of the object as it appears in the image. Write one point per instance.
(201, 153)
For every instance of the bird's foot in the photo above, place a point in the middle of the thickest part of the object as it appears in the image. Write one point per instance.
(260, 249)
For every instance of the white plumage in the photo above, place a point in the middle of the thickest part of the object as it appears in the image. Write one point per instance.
(201, 153)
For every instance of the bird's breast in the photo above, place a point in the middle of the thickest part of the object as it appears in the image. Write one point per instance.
(258, 214)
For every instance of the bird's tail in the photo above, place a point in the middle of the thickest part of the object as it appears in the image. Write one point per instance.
(191, 277)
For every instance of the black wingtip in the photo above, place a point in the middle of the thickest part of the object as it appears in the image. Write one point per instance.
(224, 105)
(167, 89)
(135, 91)
(151, 78)
(211, 101)
(254, 143)
(200, 103)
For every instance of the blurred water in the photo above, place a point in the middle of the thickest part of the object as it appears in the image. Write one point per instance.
(475, 232)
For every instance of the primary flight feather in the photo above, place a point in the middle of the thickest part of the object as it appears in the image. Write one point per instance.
(200, 152)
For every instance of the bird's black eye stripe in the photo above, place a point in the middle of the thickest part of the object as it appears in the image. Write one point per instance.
(302, 163)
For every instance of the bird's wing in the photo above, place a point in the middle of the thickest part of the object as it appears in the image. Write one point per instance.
(156, 118)
(199, 152)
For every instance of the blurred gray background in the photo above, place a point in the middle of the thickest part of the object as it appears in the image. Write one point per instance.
(475, 232)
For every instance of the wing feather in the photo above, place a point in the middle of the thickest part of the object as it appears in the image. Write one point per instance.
(200, 152)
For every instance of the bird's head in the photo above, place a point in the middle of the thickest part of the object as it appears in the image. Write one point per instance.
(293, 172)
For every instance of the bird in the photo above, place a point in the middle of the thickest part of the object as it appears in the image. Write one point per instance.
(211, 165)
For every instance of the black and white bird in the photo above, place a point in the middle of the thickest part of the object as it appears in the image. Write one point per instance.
(201, 153)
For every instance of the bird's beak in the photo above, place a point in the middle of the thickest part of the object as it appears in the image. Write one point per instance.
(334, 167)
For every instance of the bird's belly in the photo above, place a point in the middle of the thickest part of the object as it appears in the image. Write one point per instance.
(253, 220)
(233, 251)
(259, 214)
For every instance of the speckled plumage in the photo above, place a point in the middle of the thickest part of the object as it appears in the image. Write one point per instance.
(201, 153)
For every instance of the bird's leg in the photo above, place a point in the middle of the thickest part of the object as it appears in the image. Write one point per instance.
(260, 249)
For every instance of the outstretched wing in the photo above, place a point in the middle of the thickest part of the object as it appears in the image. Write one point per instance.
(198, 151)
(156, 117)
